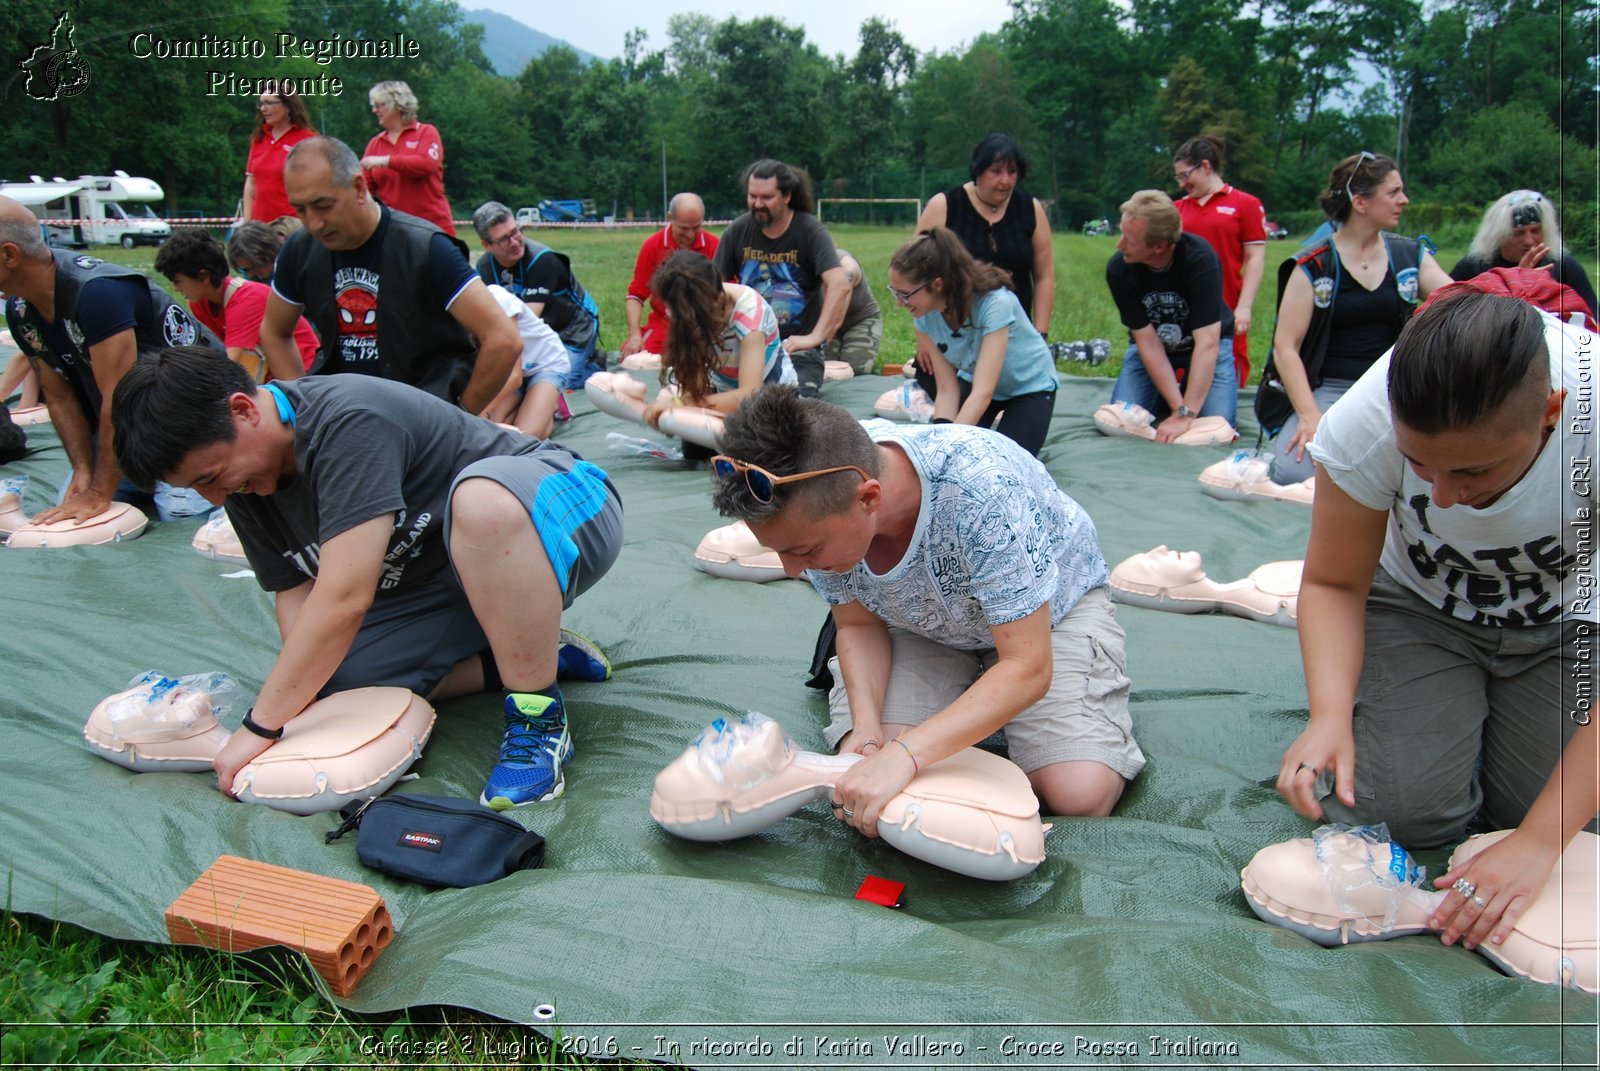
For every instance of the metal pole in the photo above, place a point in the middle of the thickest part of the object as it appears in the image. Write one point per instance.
(663, 178)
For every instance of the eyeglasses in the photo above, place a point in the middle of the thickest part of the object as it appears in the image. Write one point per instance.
(1183, 176)
(763, 484)
(504, 239)
(1365, 156)
(904, 296)
(269, 104)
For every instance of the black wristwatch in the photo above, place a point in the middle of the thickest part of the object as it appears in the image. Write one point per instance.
(1185, 411)
(260, 730)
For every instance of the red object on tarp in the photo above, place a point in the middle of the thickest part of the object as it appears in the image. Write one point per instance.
(882, 891)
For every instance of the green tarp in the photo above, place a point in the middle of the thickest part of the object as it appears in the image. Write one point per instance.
(1132, 937)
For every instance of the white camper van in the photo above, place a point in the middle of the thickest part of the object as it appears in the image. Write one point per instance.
(103, 209)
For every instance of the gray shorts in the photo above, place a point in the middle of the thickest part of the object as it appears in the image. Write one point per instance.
(413, 637)
(574, 508)
(1452, 720)
(857, 345)
(1084, 716)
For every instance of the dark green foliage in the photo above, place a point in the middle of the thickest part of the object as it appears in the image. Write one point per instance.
(1472, 96)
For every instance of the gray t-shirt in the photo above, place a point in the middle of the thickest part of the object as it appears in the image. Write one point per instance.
(365, 447)
(995, 540)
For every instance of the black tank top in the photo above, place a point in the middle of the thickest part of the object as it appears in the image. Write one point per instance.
(1365, 324)
(1007, 244)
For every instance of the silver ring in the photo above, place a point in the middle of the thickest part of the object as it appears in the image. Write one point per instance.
(1480, 901)
(1465, 888)
(1305, 766)
(848, 813)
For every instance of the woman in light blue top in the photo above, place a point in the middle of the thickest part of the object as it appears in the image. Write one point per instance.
(988, 360)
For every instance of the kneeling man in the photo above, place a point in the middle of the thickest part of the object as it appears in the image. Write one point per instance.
(409, 543)
(969, 594)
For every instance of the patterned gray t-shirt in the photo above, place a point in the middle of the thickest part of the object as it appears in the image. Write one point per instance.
(995, 540)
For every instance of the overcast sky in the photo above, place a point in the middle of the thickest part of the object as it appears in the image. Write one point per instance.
(829, 24)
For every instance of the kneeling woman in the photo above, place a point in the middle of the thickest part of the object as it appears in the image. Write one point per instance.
(1443, 649)
(981, 340)
(722, 338)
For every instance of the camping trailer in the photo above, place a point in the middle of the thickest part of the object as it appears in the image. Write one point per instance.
(102, 209)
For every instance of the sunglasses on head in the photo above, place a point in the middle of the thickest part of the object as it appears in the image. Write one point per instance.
(1365, 156)
(763, 484)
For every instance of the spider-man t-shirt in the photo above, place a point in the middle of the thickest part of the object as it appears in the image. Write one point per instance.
(356, 292)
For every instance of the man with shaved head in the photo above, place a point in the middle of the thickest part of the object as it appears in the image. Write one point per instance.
(391, 295)
(685, 229)
(82, 322)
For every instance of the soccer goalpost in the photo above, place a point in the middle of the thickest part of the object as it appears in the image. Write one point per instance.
(857, 215)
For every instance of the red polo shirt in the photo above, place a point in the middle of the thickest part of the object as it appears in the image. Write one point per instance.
(656, 249)
(265, 166)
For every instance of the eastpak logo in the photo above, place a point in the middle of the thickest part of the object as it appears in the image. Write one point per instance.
(417, 838)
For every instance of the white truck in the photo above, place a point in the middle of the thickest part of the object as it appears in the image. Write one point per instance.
(101, 209)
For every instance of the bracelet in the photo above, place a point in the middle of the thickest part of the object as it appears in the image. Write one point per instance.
(916, 767)
(261, 730)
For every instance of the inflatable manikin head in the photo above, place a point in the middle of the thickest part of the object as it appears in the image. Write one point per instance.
(119, 522)
(1126, 420)
(837, 370)
(28, 416)
(642, 362)
(974, 813)
(348, 746)
(11, 515)
(734, 553)
(1348, 884)
(217, 540)
(1246, 476)
(1163, 579)
(905, 402)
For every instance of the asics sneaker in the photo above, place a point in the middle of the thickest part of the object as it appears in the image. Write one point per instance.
(536, 745)
(578, 659)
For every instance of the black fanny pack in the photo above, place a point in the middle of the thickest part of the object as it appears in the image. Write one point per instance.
(439, 841)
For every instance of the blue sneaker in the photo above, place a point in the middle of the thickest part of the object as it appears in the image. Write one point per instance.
(535, 747)
(580, 660)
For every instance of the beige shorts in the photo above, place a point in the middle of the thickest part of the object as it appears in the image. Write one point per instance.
(1083, 717)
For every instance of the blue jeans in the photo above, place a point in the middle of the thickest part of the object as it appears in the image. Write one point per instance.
(1135, 385)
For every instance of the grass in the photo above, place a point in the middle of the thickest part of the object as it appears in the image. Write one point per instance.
(73, 997)
(69, 997)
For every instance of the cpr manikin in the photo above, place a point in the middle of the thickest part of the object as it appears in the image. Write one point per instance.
(620, 395)
(1353, 884)
(974, 813)
(733, 552)
(905, 402)
(117, 523)
(350, 745)
(1244, 476)
(1170, 580)
(11, 515)
(1136, 422)
(217, 540)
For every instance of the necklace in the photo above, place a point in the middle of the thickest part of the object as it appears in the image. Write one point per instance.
(996, 209)
(1364, 258)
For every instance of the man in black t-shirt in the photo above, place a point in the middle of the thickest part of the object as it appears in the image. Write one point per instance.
(1168, 290)
(82, 321)
(781, 250)
(408, 544)
(389, 294)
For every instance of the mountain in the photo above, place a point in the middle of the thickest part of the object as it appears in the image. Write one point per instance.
(510, 45)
